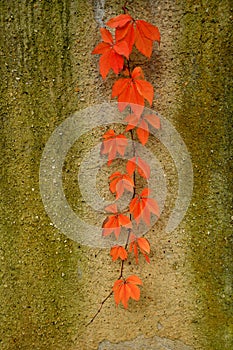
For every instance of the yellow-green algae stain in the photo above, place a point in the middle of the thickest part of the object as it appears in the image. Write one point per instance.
(204, 121)
(42, 271)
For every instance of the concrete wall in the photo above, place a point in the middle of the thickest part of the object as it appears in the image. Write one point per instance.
(50, 285)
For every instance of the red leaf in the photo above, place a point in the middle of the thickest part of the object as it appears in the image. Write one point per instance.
(145, 34)
(136, 163)
(119, 183)
(132, 120)
(136, 208)
(133, 31)
(119, 21)
(118, 252)
(141, 207)
(106, 36)
(112, 208)
(145, 89)
(125, 289)
(126, 33)
(149, 30)
(143, 132)
(131, 166)
(142, 122)
(112, 53)
(153, 120)
(144, 245)
(113, 224)
(141, 243)
(113, 144)
(133, 91)
(124, 29)
(143, 168)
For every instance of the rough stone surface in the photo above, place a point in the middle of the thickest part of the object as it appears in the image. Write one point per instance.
(142, 343)
(50, 285)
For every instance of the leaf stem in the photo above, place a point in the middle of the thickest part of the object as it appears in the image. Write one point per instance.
(128, 66)
(124, 8)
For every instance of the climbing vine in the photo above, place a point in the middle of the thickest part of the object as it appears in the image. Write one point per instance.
(132, 91)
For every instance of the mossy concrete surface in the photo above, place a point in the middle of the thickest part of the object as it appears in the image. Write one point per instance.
(205, 122)
(51, 286)
(41, 291)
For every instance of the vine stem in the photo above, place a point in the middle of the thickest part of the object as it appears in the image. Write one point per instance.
(126, 245)
(99, 309)
(124, 8)
(134, 192)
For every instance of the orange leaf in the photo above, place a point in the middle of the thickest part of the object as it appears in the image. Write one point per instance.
(145, 192)
(124, 220)
(137, 73)
(131, 166)
(120, 183)
(106, 36)
(145, 89)
(112, 208)
(142, 206)
(122, 48)
(153, 120)
(136, 208)
(118, 252)
(120, 86)
(143, 132)
(119, 21)
(110, 60)
(134, 291)
(125, 289)
(136, 163)
(129, 127)
(113, 223)
(149, 30)
(132, 120)
(151, 206)
(124, 29)
(113, 144)
(143, 168)
(142, 122)
(101, 48)
(133, 31)
(143, 245)
(112, 53)
(126, 33)
(145, 34)
(134, 280)
(133, 91)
